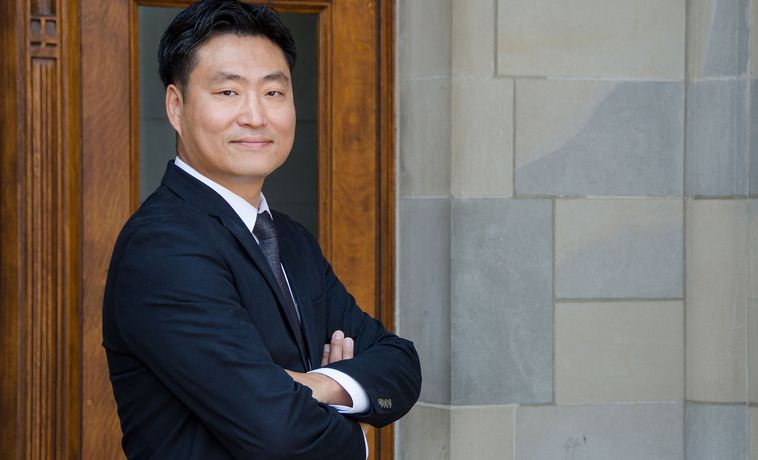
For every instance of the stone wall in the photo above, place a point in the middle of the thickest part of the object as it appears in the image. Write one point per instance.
(576, 228)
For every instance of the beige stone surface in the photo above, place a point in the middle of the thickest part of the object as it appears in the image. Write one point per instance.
(619, 351)
(618, 248)
(424, 137)
(700, 17)
(482, 433)
(424, 433)
(551, 113)
(591, 38)
(752, 357)
(752, 350)
(754, 44)
(473, 44)
(423, 38)
(753, 432)
(482, 137)
(717, 38)
(753, 246)
(716, 296)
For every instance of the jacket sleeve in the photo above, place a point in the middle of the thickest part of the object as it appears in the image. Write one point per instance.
(178, 311)
(385, 365)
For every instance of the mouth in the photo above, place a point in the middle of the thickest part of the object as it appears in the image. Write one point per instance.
(253, 142)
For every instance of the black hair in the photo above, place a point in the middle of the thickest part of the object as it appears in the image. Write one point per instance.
(206, 19)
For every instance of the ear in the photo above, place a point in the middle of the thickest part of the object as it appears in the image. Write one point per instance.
(174, 106)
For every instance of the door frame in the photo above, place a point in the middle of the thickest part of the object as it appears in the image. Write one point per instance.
(67, 166)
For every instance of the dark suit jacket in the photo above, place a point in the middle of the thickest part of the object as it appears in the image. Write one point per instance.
(197, 339)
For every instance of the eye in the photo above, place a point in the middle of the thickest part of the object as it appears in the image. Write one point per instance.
(227, 92)
(274, 93)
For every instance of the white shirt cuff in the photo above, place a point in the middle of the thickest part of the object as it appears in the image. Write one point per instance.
(353, 388)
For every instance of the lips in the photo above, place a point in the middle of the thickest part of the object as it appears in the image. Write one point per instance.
(253, 142)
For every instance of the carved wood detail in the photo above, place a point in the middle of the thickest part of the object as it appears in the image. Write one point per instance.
(44, 250)
(43, 302)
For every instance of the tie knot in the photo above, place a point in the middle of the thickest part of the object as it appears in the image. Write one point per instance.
(264, 227)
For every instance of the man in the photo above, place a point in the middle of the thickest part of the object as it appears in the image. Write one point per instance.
(216, 308)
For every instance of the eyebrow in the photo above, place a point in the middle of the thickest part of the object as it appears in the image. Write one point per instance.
(276, 76)
(225, 76)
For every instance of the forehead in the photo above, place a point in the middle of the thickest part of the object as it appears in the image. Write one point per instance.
(245, 55)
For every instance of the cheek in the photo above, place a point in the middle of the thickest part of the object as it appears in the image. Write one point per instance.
(285, 122)
(213, 122)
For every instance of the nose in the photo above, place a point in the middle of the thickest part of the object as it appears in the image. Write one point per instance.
(253, 112)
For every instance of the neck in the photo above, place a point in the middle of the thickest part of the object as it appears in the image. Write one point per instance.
(247, 188)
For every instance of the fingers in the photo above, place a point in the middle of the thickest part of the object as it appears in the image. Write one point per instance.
(335, 352)
(348, 351)
(339, 348)
(325, 355)
(347, 348)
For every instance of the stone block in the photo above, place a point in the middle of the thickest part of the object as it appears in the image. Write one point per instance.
(718, 38)
(423, 38)
(481, 433)
(423, 287)
(716, 432)
(424, 137)
(753, 432)
(473, 44)
(595, 138)
(753, 148)
(602, 432)
(424, 433)
(752, 222)
(482, 137)
(623, 248)
(591, 38)
(752, 351)
(502, 312)
(716, 272)
(717, 145)
(619, 352)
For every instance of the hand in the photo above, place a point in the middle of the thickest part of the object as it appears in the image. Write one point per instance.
(325, 389)
(339, 348)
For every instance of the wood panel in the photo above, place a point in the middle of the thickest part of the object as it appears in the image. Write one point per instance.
(106, 175)
(41, 232)
(11, 259)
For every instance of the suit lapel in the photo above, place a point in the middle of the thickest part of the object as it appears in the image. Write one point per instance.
(205, 198)
(239, 230)
(296, 276)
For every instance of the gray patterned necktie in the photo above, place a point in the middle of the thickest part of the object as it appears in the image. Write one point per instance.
(266, 233)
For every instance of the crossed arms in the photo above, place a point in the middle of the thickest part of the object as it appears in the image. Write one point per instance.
(176, 306)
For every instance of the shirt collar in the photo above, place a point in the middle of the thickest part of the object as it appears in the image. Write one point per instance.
(246, 211)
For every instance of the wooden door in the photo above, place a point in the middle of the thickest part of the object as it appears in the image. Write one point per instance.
(69, 172)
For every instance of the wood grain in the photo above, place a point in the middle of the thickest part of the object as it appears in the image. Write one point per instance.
(106, 177)
(40, 231)
(12, 44)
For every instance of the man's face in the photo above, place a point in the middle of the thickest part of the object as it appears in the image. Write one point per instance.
(236, 116)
